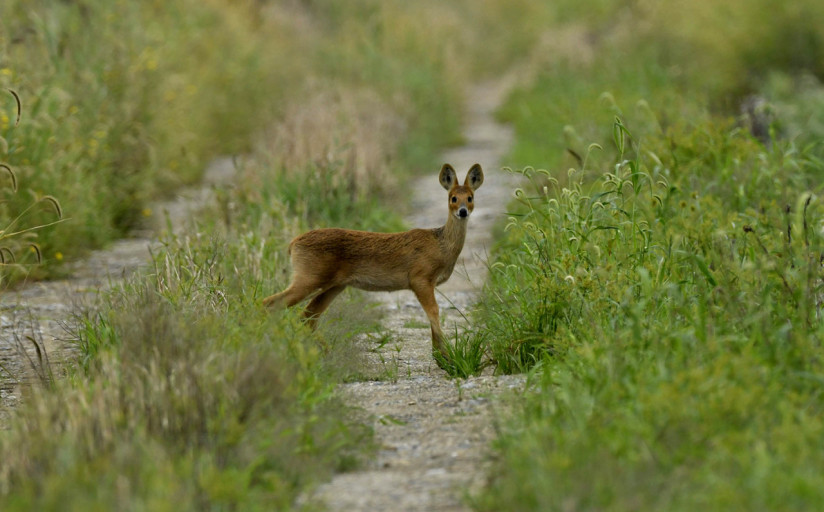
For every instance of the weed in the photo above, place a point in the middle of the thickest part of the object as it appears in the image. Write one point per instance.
(390, 369)
(387, 419)
(467, 357)
(26, 339)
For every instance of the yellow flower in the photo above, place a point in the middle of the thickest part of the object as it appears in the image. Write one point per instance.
(6, 72)
(147, 212)
(58, 256)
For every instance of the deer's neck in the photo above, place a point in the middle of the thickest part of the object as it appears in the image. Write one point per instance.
(451, 238)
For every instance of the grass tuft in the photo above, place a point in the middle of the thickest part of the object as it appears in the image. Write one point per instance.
(467, 357)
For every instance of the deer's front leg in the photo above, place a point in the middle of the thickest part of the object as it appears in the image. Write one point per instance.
(425, 292)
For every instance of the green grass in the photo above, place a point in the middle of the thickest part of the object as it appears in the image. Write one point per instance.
(190, 390)
(662, 281)
(675, 317)
(467, 356)
(115, 115)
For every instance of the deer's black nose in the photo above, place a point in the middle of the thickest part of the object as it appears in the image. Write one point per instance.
(463, 213)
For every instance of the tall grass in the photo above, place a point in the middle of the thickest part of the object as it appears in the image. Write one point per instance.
(673, 304)
(123, 100)
(666, 290)
(192, 397)
(21, 226)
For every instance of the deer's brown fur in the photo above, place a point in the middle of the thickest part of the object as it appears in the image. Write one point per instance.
(326, 261)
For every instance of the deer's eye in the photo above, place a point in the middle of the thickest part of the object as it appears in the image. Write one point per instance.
(469, 199)
(454, 199)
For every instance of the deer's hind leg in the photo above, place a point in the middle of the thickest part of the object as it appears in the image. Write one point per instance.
(305, 282)
(295, 293)
(319, 304)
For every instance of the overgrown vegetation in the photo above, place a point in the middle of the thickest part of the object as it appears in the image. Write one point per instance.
(663, 282)
(192, 396)
(117, 108)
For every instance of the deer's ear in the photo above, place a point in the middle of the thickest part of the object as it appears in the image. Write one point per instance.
(448, 178)
(475, 177)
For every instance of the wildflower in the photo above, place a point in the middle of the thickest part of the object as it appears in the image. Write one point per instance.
(147, 212)
(58, 256)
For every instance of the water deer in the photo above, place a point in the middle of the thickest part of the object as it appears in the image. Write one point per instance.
(326, 261)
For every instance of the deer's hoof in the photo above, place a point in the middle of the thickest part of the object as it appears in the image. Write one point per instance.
(442, 359)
